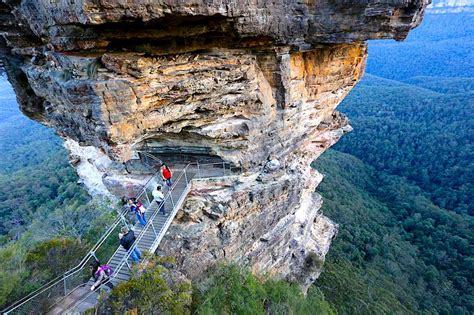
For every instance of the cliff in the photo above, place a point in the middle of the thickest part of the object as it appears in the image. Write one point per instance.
(253, 83)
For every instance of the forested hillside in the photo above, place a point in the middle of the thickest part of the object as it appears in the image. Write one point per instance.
(35, 177)
(46, 223)
(404, 195)
(396, 252)
(421, 133)
(443, 45)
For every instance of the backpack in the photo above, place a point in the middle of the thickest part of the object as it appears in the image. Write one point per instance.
(105, 268)
(141, 208)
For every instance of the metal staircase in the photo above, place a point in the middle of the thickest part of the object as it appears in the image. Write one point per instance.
(70, 293)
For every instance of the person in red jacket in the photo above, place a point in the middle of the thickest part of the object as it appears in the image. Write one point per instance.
(166, 174)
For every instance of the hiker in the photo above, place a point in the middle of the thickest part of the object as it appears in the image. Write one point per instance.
(166, 174)
(127, 238)
(159, 198)
(138, 208)
(101, 274)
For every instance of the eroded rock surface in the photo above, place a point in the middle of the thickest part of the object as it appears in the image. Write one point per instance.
(253, 83)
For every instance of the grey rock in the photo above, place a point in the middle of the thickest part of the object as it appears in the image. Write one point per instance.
(231, 80)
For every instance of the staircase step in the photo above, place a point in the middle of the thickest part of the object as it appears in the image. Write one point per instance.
(145, 242)
(122, 277)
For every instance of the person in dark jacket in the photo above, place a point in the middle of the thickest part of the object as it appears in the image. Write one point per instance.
(127, 239)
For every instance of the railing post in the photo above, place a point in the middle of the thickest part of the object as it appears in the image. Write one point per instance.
(172, 201)
(65, 288)
(147, 199)
(123, 219)
(153, 226)
(199, 170)
(223, 167)
(186, 176)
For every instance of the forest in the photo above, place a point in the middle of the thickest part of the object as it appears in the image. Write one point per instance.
(35, 176)
(442, 46)
(420, 126)
(396, 252)
(47, 219)
(420, 133)
(400, 186)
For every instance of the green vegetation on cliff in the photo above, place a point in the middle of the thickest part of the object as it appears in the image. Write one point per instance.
(152, 290)
(46, 222)
(227, 289)
(234, 290)
(396, 252)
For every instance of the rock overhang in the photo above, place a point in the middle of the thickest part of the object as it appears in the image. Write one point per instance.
(86, 24)
(244, 106)
(250, 82)
(95, 59)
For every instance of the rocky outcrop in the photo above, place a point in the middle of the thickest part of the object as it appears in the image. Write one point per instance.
(87, 24)
(267, 220)
(253, 83)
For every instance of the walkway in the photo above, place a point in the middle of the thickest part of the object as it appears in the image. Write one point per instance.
(72, 291)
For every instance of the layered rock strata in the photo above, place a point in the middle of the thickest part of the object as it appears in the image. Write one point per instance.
(253, 83)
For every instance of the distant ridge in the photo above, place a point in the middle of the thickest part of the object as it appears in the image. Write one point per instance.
(450, 6)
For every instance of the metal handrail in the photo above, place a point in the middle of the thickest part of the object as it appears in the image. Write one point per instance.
(143, 189)
(82, 263)
(151, 156)
(73, 270)
(127, 255)
(150, 220)
(124, 261)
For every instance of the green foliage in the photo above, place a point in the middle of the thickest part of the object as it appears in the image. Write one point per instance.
(12, 272)
(47, 221)
(443, 85)
(52, 246)
(24, 269)
(396, 252)
(355, 290)
(35, 177)
(37, 189)
(443, 45)
(417, 133)
(232, 289)
(51, 258)
(152, 290)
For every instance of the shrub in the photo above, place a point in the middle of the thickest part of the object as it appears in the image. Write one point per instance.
(152, 290)
(235, 290)
(51, 258)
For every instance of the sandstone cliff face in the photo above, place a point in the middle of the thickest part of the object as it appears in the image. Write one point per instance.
(241, 81)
